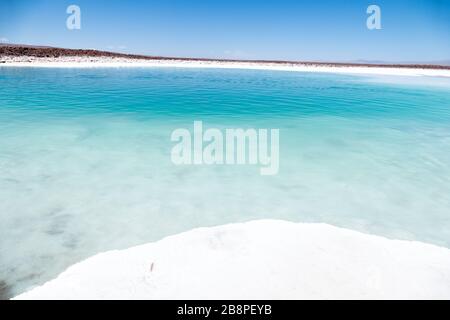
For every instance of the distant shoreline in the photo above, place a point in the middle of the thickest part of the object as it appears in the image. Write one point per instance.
(35, 56)
(12, 50)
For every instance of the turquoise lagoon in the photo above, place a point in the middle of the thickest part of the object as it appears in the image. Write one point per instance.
(85, 158)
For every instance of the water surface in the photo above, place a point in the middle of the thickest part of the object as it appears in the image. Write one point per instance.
(85, 158)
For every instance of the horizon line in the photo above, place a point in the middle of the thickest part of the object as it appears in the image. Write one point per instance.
(46, 51)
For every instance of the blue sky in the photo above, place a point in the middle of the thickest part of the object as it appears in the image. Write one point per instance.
(412, 30)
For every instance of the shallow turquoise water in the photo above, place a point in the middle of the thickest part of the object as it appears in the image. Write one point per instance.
(85, 158)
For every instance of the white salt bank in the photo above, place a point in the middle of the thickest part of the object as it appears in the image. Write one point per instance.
(260, 260)
(116, 62)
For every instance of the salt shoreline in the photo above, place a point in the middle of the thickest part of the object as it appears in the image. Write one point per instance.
(264, 259)
(118, 62)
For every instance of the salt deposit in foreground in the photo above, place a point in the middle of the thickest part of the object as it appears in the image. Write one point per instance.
(266, 259)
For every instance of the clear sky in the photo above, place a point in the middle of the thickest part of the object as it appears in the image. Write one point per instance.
(412, 30)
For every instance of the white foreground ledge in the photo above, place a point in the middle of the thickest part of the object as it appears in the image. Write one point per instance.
(264, 259)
